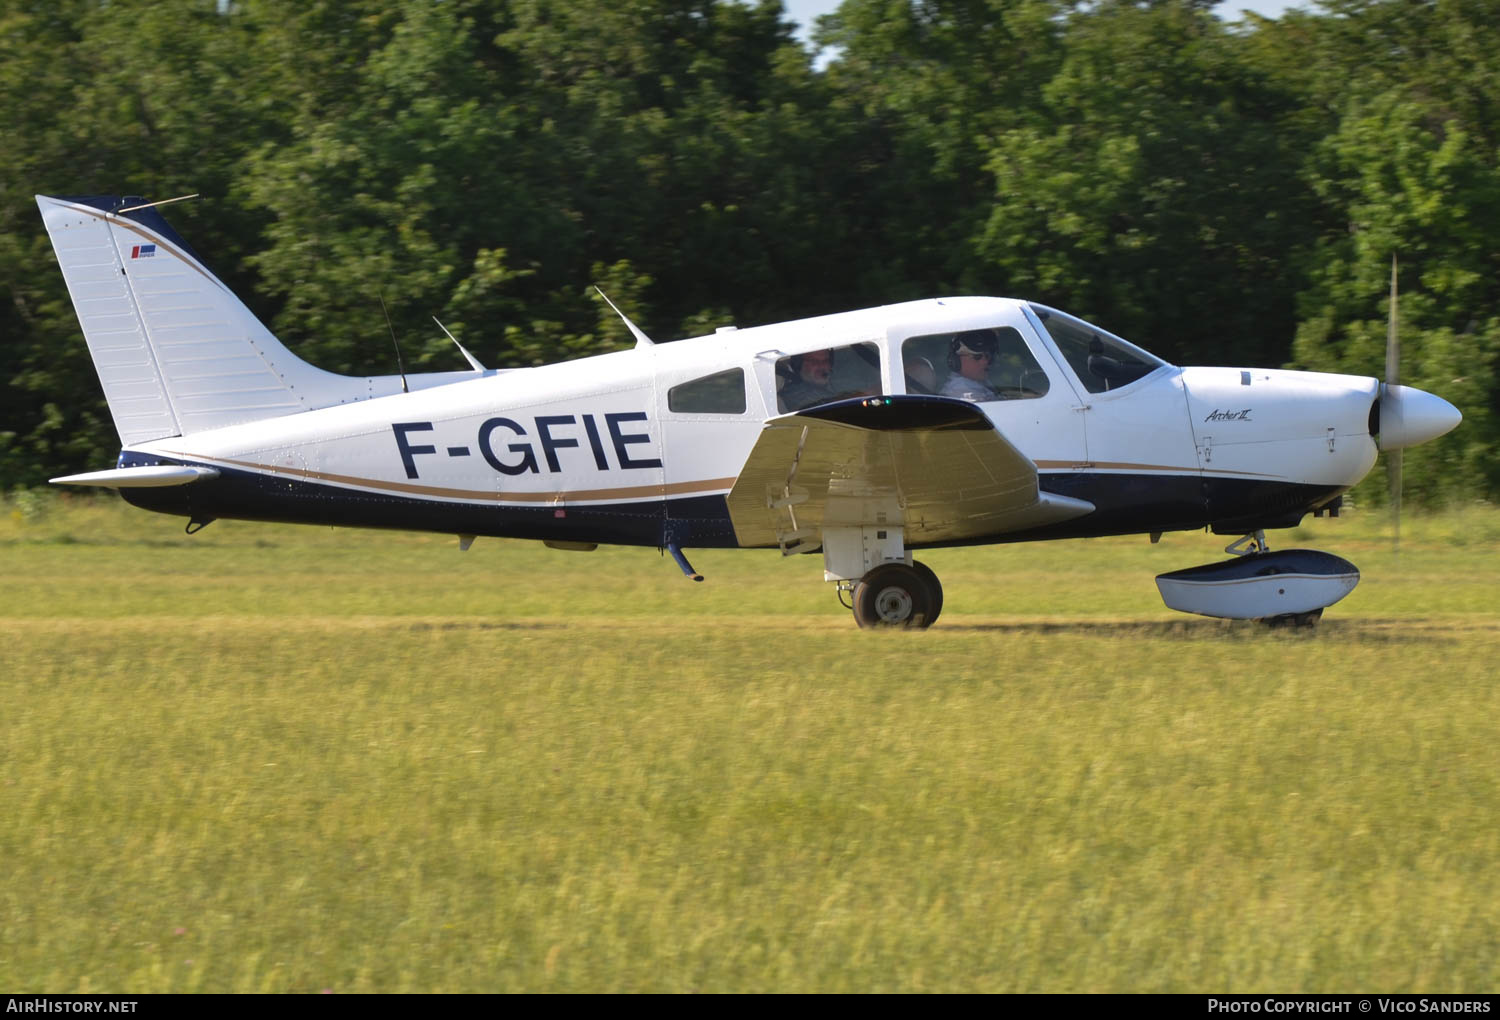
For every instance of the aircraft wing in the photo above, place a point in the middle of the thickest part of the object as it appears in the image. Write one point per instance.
(934, 465)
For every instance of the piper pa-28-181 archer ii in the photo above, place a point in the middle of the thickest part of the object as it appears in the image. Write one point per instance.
(864, 435)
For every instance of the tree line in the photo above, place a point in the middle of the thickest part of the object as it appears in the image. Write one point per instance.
(1221, 192)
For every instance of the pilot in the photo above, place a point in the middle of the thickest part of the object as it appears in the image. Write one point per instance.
(970, 356)
(812, 381)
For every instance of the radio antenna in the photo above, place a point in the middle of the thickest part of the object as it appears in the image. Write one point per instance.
(399, 364)
(152, 205)
(641, 339)
(473, 361)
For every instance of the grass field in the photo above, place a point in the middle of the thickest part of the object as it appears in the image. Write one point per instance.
(269, 758)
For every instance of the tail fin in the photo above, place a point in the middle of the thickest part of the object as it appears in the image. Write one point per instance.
(175, 350)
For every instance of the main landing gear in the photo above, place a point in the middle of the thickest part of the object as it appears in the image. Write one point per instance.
(895, 595)
(886, 587)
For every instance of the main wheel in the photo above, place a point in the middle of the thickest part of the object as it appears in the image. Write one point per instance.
(934, 587)
(893, 595)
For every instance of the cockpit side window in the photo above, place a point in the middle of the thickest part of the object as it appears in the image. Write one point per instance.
(818, 377)
(974, 364)
(1101, 361)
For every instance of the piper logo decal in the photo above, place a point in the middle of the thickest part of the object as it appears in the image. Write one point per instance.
(143, 251)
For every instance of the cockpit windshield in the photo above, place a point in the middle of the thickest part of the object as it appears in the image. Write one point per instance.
(1101, 360)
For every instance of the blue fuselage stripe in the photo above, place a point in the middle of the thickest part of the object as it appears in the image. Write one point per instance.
(1127, 504)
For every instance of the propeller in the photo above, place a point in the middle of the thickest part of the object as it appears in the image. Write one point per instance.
(1407, 416)
(1392, 408)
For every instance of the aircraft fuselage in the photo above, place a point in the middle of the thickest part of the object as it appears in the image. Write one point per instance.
(594, 448)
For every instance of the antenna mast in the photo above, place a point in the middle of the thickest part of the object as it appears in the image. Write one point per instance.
(400, 365)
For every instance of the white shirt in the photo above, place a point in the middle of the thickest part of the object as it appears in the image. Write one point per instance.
(964, 388)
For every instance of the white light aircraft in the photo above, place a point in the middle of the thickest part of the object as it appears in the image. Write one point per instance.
(864, 435)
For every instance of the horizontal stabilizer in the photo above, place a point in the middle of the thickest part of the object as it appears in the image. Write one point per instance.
(140, 477)
(933, 465)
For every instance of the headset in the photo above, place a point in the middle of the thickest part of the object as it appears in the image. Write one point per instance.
(975, 342)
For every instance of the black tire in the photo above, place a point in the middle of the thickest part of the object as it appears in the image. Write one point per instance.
(934, 588)
(892, 595)
(1294, 621)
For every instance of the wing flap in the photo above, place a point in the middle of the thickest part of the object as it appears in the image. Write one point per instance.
(934, 465)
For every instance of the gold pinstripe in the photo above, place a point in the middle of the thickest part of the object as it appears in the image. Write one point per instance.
(704, 486)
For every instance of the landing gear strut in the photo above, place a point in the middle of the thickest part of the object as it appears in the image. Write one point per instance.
(897, 595)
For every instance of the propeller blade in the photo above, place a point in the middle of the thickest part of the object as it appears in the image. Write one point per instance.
(1393, 474)
(1392, 342)
(1391, 409)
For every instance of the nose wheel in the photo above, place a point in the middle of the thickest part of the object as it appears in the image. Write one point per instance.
(897, 595)
(1294, 621)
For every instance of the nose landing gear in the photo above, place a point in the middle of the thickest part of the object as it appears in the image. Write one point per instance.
(1290, 588)
(1293, 621)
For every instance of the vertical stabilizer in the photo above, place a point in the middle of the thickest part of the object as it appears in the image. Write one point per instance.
(176, 351)
(102, 297)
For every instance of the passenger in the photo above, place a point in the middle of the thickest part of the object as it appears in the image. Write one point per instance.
(812, 381)
(921, 377)
(970, 356)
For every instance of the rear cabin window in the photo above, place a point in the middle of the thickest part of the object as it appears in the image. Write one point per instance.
(818, 377)
(974, 364)
(720, 393)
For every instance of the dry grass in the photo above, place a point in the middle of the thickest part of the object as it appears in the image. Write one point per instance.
(293, 759)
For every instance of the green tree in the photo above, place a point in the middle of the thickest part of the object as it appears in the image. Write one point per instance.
(117, 98)
(924, 88)
(1160, 192)
(483, 159)
(1408, 167)
(1423, 191)
(1210, 190)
